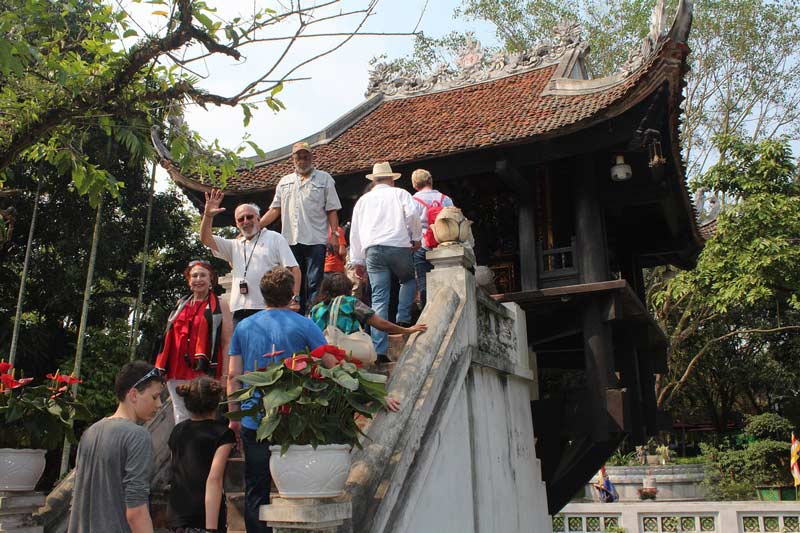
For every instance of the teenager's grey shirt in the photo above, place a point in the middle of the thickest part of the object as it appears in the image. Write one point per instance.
(114, 466)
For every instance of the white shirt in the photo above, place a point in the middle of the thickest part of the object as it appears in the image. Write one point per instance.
(271, 250)
(384, 216)
(304, 206)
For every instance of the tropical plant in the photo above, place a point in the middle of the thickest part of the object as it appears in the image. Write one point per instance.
(302, 402)
(37, 416)
(734, 471)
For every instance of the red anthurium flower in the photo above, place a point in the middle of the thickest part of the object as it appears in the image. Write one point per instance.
(5, 368)
(296, 362)
(61, 390)
(9, 382)
(284, 409)
(328, 348)
(64, 378)
(315, 373)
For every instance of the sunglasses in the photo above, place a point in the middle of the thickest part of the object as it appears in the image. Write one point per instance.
(154, 373)
(200, 262)
(245, 217)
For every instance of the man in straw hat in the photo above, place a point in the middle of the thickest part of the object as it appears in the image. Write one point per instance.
(385, 231)
(307, 204)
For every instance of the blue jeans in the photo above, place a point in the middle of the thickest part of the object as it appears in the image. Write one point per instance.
(256, 480)
(311, 259)
(382, 262)
(422, 267)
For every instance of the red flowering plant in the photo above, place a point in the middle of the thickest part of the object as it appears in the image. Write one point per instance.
(37, 416)
(303, 402)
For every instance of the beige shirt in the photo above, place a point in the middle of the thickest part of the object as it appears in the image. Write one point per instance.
(304, 207)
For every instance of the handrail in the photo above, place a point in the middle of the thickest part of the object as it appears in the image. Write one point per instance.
(416, 381)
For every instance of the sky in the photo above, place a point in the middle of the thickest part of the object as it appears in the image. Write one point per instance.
(337, 82)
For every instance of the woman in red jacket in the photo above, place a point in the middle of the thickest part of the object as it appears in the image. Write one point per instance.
(197, 336)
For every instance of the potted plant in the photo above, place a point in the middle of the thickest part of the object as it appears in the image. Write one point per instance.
(308, 413)
(35, 418)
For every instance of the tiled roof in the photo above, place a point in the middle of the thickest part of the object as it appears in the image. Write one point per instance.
(505, 111)
(708, 229)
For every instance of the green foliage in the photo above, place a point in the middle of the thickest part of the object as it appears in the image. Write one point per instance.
(733, 473)
(734, 320)
(302, 402)
(619, 458)
(37, 416)
(769, 426)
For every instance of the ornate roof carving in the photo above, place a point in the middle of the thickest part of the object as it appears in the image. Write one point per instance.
(476, 66)
(658, 30)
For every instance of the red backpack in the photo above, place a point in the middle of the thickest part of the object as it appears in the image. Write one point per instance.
(433, 209)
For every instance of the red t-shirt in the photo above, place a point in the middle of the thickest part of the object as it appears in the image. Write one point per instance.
(333, 261)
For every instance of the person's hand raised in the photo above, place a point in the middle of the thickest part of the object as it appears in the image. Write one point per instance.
(213, 201)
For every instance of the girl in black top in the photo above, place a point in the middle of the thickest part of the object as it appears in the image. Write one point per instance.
(200, 448)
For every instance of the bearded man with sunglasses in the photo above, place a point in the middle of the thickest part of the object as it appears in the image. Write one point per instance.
(251, 254)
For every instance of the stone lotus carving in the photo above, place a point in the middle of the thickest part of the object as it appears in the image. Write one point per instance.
(451, 227)
(474, 66)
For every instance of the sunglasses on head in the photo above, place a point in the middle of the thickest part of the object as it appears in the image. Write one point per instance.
(154, 373)
(245, 217)
(200, 262)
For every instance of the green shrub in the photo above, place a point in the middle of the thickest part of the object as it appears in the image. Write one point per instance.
(768, 426)
(733, 473)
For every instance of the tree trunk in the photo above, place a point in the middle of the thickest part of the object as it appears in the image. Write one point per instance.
(87, 294)
(138, 304)
(12, 355)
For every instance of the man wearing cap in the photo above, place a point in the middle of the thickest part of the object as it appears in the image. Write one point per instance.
(307, 204)
(385, 231)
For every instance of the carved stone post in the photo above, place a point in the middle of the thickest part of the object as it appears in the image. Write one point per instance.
(16, 511)
(453, 266)
(317, 515)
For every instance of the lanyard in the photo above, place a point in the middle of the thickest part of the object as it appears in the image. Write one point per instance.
(244, 254)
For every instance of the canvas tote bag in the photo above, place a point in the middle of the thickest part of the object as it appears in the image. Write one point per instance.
(358, 344)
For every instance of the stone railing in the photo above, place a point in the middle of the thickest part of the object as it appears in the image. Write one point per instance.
(679, 517)
(460, 453)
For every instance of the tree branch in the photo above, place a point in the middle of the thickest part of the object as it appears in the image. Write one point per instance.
(673, 389)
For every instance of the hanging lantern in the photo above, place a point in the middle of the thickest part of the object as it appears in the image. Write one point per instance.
(621, 171)
(656, 156)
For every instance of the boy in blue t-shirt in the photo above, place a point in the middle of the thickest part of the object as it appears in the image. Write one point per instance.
(268, 336)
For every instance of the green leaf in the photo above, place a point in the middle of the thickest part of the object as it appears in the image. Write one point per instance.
(315, 385)
(262, 378)
(278, 396)
(267, 426)
(297, 424)
(345, 380)
(130, 33)
(372, 378)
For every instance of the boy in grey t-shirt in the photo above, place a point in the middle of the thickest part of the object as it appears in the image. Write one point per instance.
(112, 481)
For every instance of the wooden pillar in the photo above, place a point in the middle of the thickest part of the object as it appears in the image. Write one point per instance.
(528, 265)
(526, 222)
(628, 366)
(631, 271)
(593, 257)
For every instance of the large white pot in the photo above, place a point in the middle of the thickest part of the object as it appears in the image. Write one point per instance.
(303, 472)
(20, 469)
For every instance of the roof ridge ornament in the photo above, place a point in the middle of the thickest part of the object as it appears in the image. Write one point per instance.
(658, 31)
(473, 65)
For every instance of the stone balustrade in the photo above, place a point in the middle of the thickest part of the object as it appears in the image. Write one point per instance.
(679, 517)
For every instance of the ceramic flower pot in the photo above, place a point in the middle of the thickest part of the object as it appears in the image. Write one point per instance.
(20, 469)
(303, 472)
